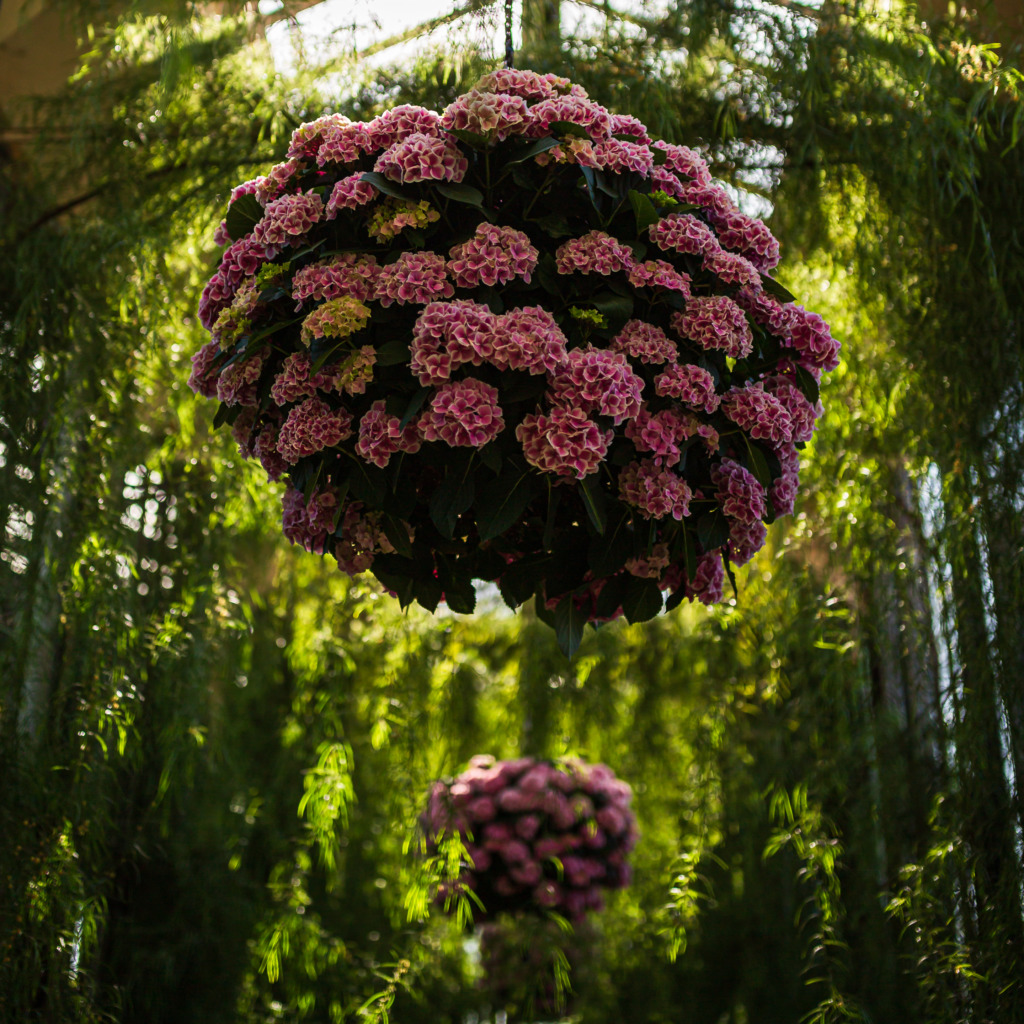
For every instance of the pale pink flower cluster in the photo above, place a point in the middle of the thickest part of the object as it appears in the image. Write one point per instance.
(537, 836)
(715, 322)
(381, 435)
(684, 160)
(660, 274)
(265, 449)
(661, 433)
(528, 84)
(759, 413)
(617, 156)
(344, 143)
(307, 138)
(655, 492)
(810, 336)
(646, 342)
(767, 311)
(420, 157)
(649, 566)
(712, 198)
(663, 180)
(294, 380)
(690, 384)
(487, 113)
(308, 523)
(286, 220)
(745, 540)
(626, 124)
(684, 233)
(401, 123)
(237, 382)
(565, 442)
(731, 268)
(311, 427)
(528, 339)
(247, 188)
(596, 380)
(590, 116)
(205, 368)
(347, 274)
(596, 252)
(415, 277)
(494, 255)
(749, 237)
(336, 318)
(348, 193)
(361, 539)
(463, 414)
(708, 579)
(801, 412)
(273, 184)
(448, 334)
(741, 496)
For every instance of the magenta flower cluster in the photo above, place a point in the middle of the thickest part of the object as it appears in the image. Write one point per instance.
(472, 340)
(538, 836)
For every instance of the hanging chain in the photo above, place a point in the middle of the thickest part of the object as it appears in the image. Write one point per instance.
(509, 52)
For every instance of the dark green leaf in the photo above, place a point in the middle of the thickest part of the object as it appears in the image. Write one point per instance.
(554, 225)
(243, 215)
(459, 594)
(643, 208)
(731, 575)
(660, 157)
(643, 600)
(453, 496)
(387, 186)
(490, 456)
(712, 530)
(608, 551)
(613, 593)
(540, 146)
(368, 483)
(503, 502)
(471, 139)
(397, 532)
(563, 128)
(554, 500)
(414, 405)
(225, 414)
(772, 287)
(758, 464)
(403, 586)
(569, 623)
(616, 307)
(806, 382)
(519, 582)
(393, 352)
(461, 193)
(594, 501)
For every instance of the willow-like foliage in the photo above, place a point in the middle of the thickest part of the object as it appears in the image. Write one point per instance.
(213, 751)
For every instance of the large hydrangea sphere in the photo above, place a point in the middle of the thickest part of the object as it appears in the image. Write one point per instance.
(516, 341)
(538, 836)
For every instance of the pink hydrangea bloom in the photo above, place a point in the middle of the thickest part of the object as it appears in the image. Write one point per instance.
(731, 268)
(242, 431)
(738, 491)
(596, 252)
(247, 188)
(294, 380)
(565, 442)
(618, 156)
(265, 449)
(749, 237)
(709, 195)
(420, 157)
(663, 180)
(661, 433)
(683, 232)
(417, 277)
(381, 436)
(596, 380)
(645, 342)
(626, 124)
(708, 579)
(336, 318)
(684, 160)
(307, 138)
(203, 379)
(653, 491)
(344, 143)
(221, 236)
(494, 255)
(648, 567)
(288, 219)
(277, 179)
(575, 109)
(783, 490)
(353, 374)
(802, 414)
(347, 274)
(348, 193)
(690, 384)
(237, 383)
(464, 413)
(312, 427)
(715, 322)
(810, 336)
(528, 84)
(402, 122)
(759, 413)
(361, 539)
(448, 334)
(660, 274)
(767, 311)
(487, 113)
(745, 540)
(528, 339)
(308, 523)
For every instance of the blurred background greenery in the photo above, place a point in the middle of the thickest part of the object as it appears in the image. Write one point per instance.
(213, 748)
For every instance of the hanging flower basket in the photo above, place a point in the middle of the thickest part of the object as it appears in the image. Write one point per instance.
(517, 341)
(538, 836)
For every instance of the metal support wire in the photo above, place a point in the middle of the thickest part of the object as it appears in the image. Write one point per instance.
(509, 52)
